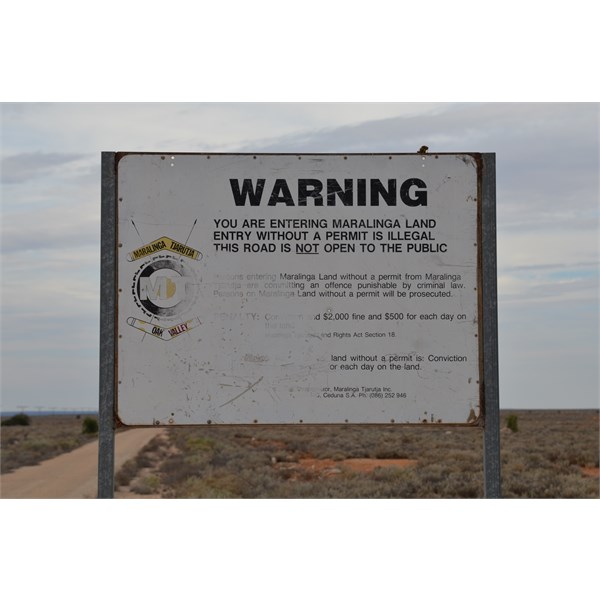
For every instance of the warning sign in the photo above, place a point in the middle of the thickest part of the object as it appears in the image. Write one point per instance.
(305, 288)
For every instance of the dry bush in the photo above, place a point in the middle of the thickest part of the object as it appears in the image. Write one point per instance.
(136, 472)
(146, 485)
(45, 437)
(542, 460)
(126, 473)
(16, 420)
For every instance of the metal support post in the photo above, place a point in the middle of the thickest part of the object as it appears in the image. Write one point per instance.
(491, 435)
(106, 446)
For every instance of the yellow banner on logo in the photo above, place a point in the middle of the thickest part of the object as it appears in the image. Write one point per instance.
(163, 332)
(161, 245)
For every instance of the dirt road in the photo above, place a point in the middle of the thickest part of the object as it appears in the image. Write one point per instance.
(72, 475)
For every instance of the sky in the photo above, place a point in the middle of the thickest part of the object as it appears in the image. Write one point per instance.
(547, 219)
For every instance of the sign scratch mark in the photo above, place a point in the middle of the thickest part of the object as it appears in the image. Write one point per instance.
(242, 393)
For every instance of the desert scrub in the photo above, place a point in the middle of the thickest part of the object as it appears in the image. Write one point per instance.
(18, 419)
(148, 458)
(146, 485)
(89, 425)
(544, 484)
(198, 443)
(126, 473)
(45, 437)
(544, 460)
(198, 487)
(390, 451)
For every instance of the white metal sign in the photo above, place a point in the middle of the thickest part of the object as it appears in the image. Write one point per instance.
(298, 288)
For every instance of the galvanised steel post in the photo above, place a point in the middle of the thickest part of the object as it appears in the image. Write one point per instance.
(491, 435)
(106, 446)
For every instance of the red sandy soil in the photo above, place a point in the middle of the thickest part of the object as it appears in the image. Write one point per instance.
(327, 467)
(590, 472)
(330, 468)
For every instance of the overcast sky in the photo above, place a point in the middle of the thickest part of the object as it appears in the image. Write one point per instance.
(547, 189)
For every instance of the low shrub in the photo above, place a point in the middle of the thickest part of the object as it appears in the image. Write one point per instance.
(148, 485)
(126, 473)
(90, 425)
(18, 419)
(512, 423)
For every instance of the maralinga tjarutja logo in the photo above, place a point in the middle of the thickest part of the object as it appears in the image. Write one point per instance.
(164, 244)
(164, 288)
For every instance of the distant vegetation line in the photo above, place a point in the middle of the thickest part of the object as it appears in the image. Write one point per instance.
(49, 412)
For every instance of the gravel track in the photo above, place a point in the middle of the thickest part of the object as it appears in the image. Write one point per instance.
(74, 474)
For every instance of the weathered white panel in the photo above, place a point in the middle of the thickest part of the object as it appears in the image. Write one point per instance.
(294, 310)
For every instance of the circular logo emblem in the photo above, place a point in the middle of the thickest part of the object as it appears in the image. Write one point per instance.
(165, 287)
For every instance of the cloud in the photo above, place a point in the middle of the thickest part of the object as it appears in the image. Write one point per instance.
(547, 205)
(185, 127)
(547, 175)
(50, 327)
(21, 168)
(51, 229)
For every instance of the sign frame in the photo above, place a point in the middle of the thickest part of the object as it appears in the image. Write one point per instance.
(488, 344)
